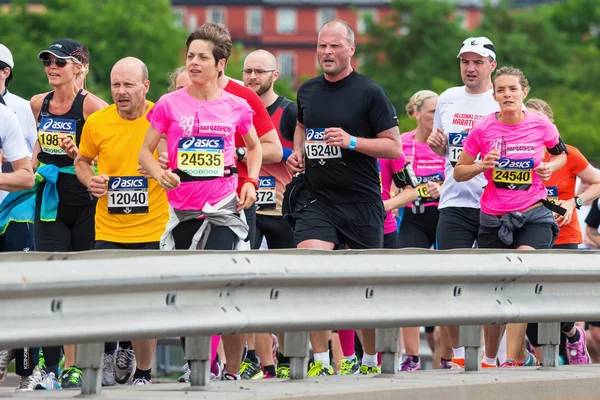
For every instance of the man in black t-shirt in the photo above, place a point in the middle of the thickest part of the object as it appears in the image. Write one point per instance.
(345, 122)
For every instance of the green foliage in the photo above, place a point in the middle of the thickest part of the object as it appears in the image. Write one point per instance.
(111, 29)
(555, 45)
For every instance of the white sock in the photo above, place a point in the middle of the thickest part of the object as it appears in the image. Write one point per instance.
(324, 358)
(489, 361)
(458, 353)
(502, 350)
(369, 360)
(350, 357)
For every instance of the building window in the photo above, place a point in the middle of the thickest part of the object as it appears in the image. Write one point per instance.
(192, 22)
(286, 64)
(286, 20)
(216, 15)
(178, 17)
(254, 22)
(324, 15)
(364, 13)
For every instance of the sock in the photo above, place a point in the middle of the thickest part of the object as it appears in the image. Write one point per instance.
(252, 356)
(575, 337)
(110, 347)
(270, 369)
(281, 359)
(350, 357)
(323, 358)
(415, 359)
(489, 361)
(142, 373)
(458, 353)
(369, 360)
(347, 342)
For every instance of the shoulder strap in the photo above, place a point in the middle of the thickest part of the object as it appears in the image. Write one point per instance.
(285, 102)
(45, 104)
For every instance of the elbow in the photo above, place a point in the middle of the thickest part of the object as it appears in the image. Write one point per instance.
(396, 150)
(29, 182)
(458, 177)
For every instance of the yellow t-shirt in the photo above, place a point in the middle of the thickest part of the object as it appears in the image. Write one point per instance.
(135, 210)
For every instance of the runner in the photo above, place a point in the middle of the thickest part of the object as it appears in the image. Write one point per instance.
(259, 74)
(513, 142)
(80, 79)
(199, 123)
(420, 218)
(132, 211)
(561, 190)
(16, 152)
(61, 115)
(457, 110)
(178, 79)
(345, 122)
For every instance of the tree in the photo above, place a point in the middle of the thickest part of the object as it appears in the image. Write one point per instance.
(114, 29)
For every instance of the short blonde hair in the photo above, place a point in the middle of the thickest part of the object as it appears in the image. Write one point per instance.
(540, 106)
(173, 77)
(512, 71)
(416, 101)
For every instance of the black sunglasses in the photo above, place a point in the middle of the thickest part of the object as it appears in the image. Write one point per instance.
(59, 62)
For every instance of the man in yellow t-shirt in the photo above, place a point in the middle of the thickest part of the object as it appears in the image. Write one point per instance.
(132, 211)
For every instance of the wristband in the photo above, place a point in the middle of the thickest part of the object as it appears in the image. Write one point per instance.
(253, 181)
(286, 153)
(352, 145)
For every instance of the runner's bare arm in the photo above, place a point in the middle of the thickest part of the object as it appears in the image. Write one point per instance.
(20, 179)
(466, 168)
(295, 161)
(386, 145)
(406, 196)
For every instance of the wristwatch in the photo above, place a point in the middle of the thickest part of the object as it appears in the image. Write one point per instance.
(240, 152)
(578, 202)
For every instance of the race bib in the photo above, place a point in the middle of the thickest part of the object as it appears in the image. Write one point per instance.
(266, 194)
(202, 156)
(513, 174)
(316, 148)
(552, 193)
(52, 131)
(455, 146)
(424, 195)
(127, 195)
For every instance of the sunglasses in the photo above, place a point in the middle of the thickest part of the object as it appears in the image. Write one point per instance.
(59, 62)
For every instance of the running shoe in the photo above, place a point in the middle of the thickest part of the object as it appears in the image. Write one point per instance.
(71, 378)
(250, 370)
(216, 369)
(6, 357)
(47, 381)
(445, 364)
(186, 374)
(510, 363)
(124, 365)
(318, 369)
(283, 371)
(364, 370)
(486, 365)
(348, 366)
(108, 370)
(28, 383)
(529, 361)
(228, 376)
(577, 352)
(457, 363)
(142, 381)
(409, 364)
(268, 376)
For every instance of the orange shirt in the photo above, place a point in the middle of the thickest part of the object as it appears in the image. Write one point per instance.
(561, 186)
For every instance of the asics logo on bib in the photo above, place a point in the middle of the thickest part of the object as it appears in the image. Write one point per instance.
(119, 183)
(312, 134)
(457, 138)
(266, 182)
(507, 163)
(58, 124)
(201, 142)
(430, 178)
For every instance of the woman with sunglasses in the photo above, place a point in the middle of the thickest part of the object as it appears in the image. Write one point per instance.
(64, 210)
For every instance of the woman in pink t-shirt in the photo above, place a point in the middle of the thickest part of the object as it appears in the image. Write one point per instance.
(199, 123)
(512, 144)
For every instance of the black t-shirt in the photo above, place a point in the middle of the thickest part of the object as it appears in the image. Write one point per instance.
(287, 119)
(360, 107)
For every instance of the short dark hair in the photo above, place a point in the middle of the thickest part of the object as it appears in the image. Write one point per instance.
(10, 76)
(215, 33)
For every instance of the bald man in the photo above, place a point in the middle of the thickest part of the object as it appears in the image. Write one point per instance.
(132, 211)
(259, 74)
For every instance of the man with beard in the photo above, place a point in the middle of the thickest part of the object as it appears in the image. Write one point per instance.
(259, 74)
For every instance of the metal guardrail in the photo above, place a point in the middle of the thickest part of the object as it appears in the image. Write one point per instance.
(93, 297)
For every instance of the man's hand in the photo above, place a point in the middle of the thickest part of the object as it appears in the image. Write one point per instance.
(437, 141)
(98, 185)
(295, 162)
(337, 137)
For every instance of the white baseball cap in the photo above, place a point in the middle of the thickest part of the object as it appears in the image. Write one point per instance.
(6, 56)
(480, 45)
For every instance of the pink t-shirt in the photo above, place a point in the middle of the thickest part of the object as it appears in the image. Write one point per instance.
(513, 184)
(201, 142)
(428, 166)
(387, 168)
